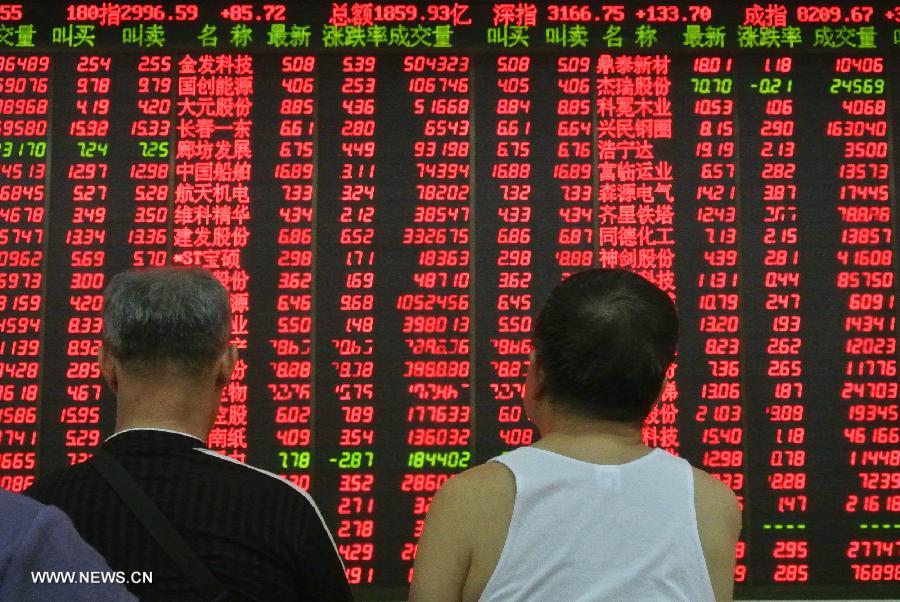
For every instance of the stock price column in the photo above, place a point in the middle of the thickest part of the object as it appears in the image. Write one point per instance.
(77, 251)
(25, 111)
(505, 262)
(559, 222)
(148, 150)
(433, 297)
(284, 236)
(565, 221)
(709, 262)
(348, 417)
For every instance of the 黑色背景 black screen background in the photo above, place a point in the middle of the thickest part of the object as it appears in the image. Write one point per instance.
(389, 191)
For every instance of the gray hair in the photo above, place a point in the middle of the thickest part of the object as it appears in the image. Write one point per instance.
(167, 317)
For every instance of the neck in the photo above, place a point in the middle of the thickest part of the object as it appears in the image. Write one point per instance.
(594, 441)
(573, 429)
(177, 426)
(175, 406)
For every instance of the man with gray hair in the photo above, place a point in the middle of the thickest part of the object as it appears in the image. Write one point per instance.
(154, 499)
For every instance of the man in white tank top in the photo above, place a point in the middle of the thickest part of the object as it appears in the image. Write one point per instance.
(589, 512)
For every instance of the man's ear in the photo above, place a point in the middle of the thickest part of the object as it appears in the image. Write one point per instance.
(535, 386)
(667, 378)
(108, 368)
(226, 365)
(537, 375)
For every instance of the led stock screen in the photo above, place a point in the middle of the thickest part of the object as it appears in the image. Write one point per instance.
(389, 191)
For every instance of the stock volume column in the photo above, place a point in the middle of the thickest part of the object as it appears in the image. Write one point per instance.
(347, 324)
(24, 127)
(711, 305)
(77, 250)
(776, 345)
(434, 300)
(505, 261)
(865, 286)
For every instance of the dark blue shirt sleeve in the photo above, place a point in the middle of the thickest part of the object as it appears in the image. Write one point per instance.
(51, 543)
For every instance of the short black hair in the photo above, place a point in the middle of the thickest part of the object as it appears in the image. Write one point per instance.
(605, 338)
(171, 317)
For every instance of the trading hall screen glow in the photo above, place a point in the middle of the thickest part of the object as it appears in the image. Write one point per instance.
(389, 190)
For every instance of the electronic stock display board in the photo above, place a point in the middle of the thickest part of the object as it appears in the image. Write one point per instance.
(389, 190)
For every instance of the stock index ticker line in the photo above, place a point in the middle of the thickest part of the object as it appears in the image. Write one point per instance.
(389, 190)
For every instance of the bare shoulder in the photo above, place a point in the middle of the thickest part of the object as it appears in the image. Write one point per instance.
(477, 491)
(714, 497)
(719, 526)
(463, 535)
(487, 477)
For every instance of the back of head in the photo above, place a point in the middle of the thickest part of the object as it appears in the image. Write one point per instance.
(604, 340)
(173, 319)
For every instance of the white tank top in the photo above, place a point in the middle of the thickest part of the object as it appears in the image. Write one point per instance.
(582, 531)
